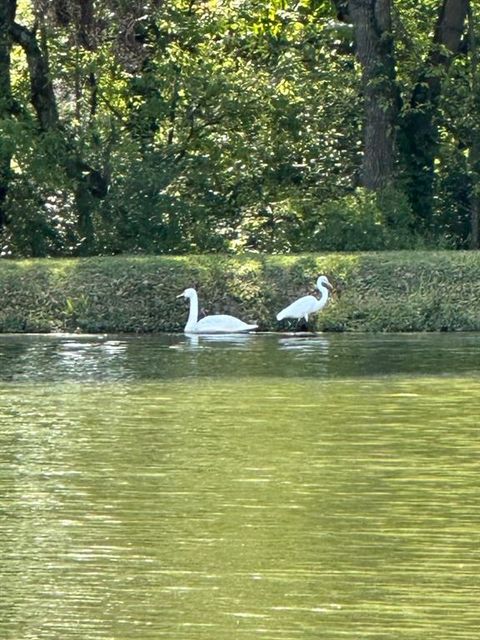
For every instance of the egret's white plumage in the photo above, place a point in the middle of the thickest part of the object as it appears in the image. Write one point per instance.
(307, 305)
(211, 324)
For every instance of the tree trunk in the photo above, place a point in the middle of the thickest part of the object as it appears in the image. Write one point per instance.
(374, 49)
(474, 148)
(7, 14)
(41, 88)
(419, 138)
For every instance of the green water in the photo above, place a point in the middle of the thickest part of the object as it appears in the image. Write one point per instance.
(267, 487)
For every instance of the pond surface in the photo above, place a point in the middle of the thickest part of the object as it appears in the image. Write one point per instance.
(275, 487)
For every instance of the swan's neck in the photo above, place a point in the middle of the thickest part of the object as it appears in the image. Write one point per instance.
(192, 314)
(323, 295)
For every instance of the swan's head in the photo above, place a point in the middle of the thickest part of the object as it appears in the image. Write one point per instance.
(323, 281)
(188, 293)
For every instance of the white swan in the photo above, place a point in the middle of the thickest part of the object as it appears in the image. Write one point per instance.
(306, 305)
(211, 324)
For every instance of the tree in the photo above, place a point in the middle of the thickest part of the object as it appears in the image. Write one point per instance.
(474, 139)
(419, 122)
(89, 182)
(372, 23)
(153, 126)
(7, 13)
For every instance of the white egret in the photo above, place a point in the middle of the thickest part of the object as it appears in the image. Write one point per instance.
(211, 324)
(307, 305)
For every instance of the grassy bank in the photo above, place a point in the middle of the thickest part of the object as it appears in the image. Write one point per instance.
(393, 291)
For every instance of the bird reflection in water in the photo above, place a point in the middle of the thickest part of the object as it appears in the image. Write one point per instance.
(308, 343)
(195, 341)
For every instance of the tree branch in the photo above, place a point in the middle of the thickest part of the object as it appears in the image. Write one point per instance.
(41, 88)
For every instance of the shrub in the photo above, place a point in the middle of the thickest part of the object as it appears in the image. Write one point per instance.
(362, 221)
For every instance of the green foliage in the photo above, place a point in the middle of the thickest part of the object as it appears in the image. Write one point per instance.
(218, 127)
(362, 221)
(217, 113)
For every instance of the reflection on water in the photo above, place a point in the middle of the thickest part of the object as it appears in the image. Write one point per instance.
(196, 341)
(103, 358)
(280, 487)
(306, 345)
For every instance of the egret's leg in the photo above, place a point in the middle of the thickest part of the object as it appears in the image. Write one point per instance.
(302, 325)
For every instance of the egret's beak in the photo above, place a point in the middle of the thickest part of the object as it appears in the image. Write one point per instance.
(180, 296)
(329, 286)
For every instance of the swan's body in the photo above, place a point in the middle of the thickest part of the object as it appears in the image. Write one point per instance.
(307, 305)
(211, 324)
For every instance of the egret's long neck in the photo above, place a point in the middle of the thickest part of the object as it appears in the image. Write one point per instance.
(323, 295)
(193, 313)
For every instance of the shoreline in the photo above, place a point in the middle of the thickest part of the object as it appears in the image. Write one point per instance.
(379, 292)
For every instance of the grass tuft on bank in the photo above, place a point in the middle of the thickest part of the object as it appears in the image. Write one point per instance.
(380, 292)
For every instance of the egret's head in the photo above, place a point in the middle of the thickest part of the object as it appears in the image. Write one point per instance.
(323, 281)
(188, 293)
